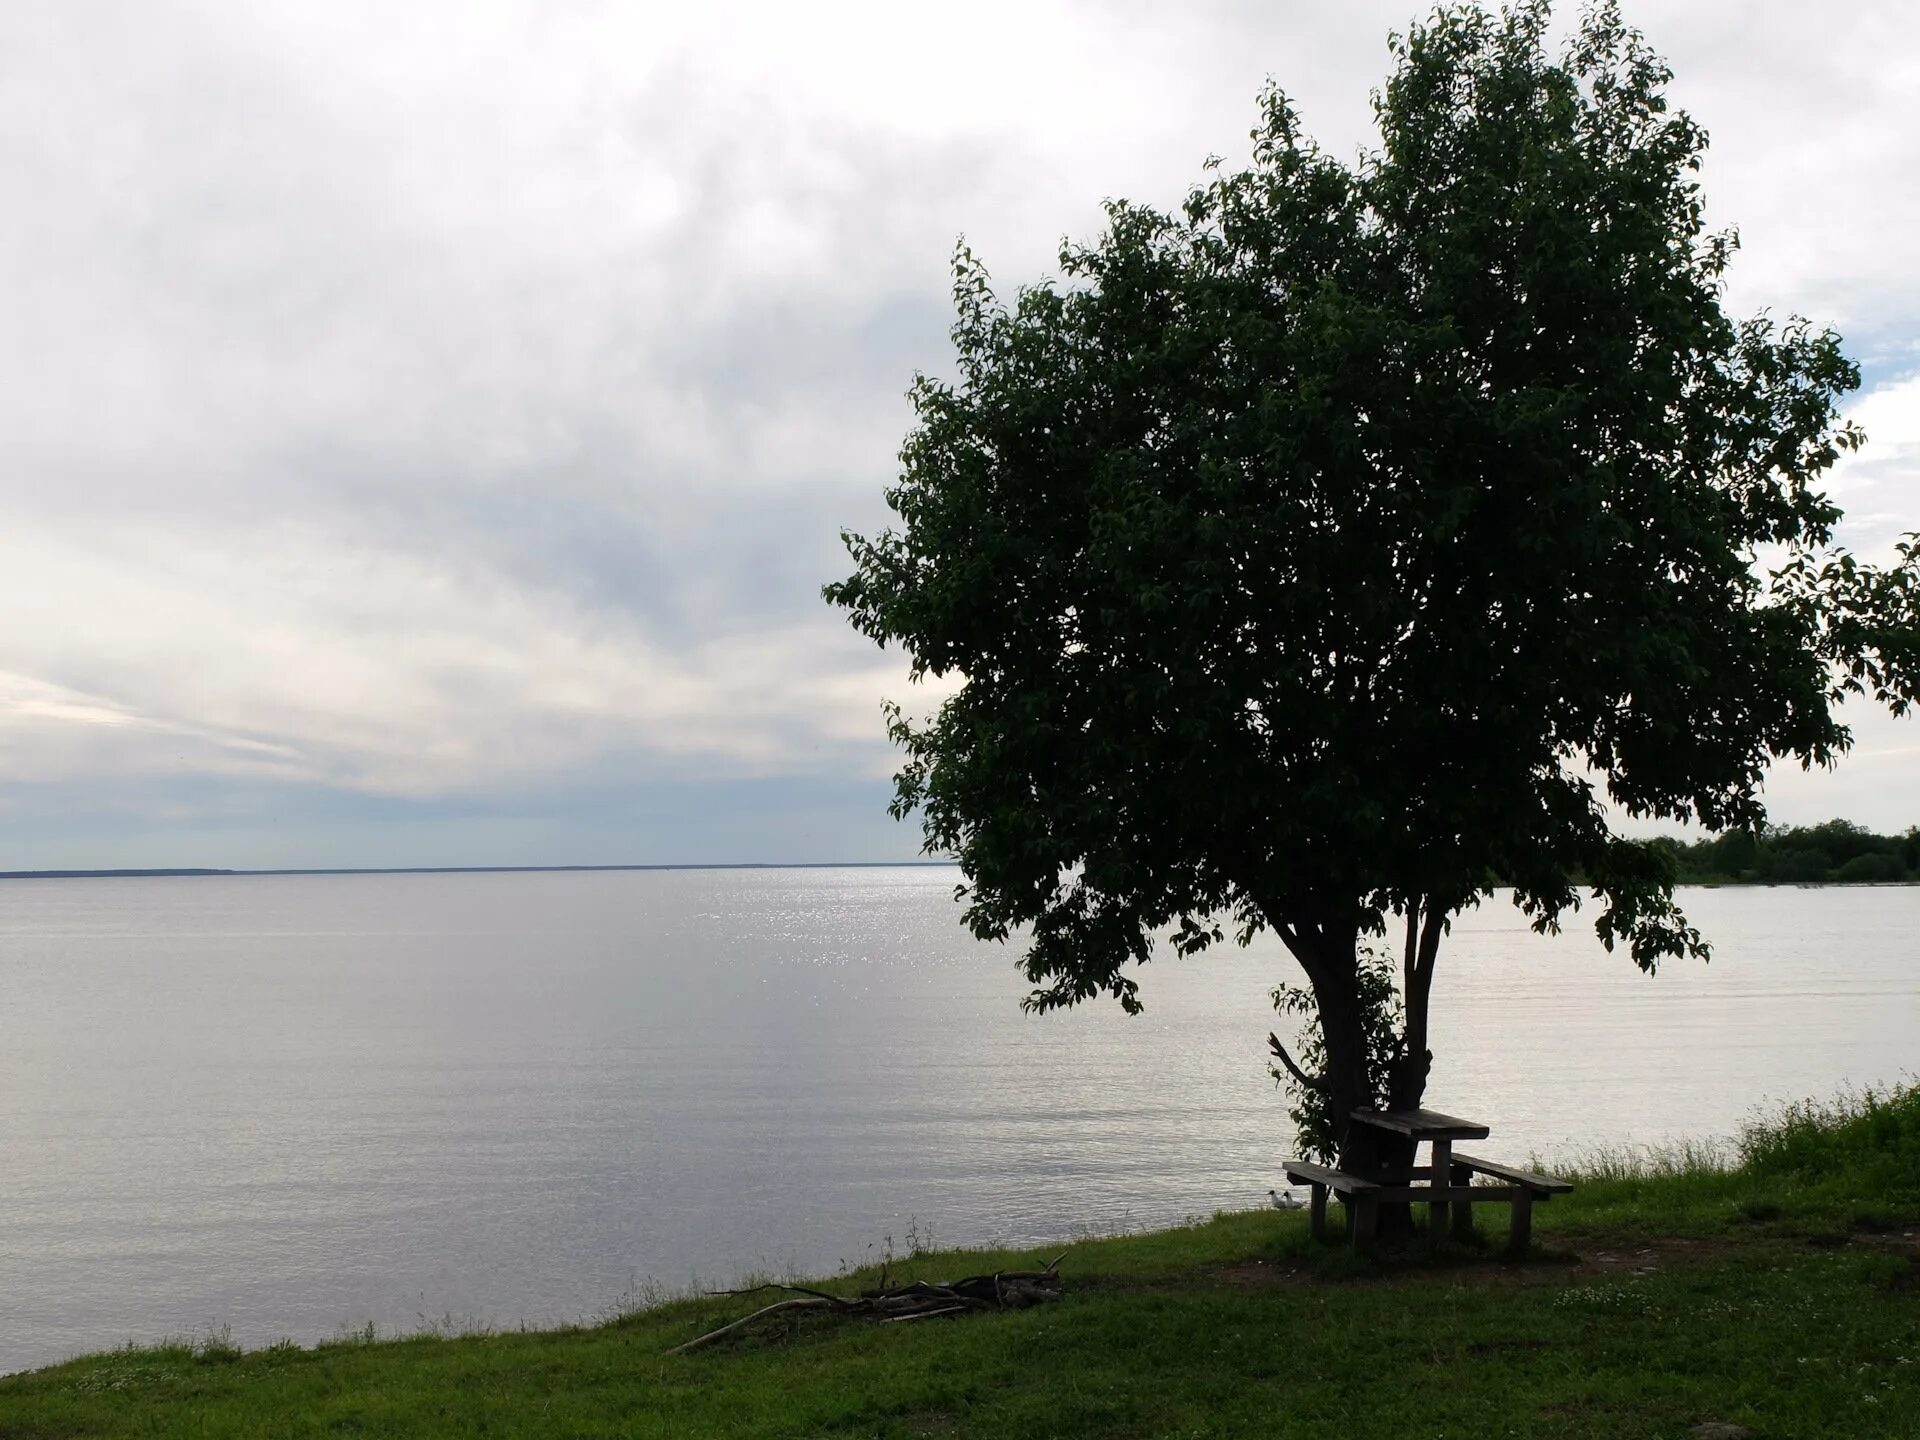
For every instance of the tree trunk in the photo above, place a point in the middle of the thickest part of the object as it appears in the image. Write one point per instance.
(1364, 1149)
(1408, 1085)
(1329, 953)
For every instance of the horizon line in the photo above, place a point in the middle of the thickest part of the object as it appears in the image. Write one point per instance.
(197, 872)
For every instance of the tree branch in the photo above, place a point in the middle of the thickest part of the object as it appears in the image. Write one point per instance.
(1293, 1069)
(1429, 946)
(773, 1309)
(1286, 929)
(1412, 947)
(1424, 921)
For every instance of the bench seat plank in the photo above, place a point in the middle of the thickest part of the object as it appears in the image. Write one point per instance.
(1539, 1184)
(1421, 1194)
(1424, 1124)
(1311, 1174)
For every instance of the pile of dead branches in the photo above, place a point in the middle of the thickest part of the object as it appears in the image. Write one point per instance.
(922, 1300)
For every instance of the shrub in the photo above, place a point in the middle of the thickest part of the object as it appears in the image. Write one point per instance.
(1871, 1139)
(1802, 866)
(1868, 868)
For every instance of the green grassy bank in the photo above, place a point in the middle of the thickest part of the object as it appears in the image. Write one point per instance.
(1778, 1289)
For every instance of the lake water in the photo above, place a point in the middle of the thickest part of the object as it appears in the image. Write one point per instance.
(295, 1105)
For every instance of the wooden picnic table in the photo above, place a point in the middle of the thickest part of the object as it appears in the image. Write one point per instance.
(1439, 1131)
(1448, 1189)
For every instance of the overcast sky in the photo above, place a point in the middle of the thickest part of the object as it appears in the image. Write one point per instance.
(424, 429)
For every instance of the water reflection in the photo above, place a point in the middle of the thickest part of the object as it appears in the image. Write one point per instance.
(294, 1105)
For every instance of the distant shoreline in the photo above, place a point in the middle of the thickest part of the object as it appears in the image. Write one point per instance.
(177, 874)
(206, 872)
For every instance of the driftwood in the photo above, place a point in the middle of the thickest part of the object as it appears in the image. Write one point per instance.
(922, 1300)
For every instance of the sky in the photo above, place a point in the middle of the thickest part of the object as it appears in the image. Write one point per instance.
(424, 429)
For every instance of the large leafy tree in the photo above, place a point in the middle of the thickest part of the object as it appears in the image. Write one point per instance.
(1365, 536)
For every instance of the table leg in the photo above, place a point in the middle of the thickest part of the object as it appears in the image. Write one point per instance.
(1462, 1209)
(1520, 1235)
(1442, 1173)
(1317, 1216)
(1363, 1213)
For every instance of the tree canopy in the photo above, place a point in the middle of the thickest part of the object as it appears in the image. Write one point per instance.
(1359, 532)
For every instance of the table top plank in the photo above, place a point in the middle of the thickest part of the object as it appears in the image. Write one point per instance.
(1423, 1124)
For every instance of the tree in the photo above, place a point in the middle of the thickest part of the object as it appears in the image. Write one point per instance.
(1360, 533)
(1802, 865)
(1869, 869)
(1842, 839)
(1736, 853)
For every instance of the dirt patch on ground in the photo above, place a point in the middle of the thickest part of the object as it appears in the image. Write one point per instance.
(1907, 1246)
(1587, 1259)
(1590, 1260)
(1255, 1273)
(931, 1422)
(1904, 1241)
(1642, 1256)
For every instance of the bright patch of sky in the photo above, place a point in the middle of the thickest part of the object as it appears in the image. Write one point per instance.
(424, 429)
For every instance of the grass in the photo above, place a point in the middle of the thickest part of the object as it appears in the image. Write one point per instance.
(1849, 1165)
(1775, 1286)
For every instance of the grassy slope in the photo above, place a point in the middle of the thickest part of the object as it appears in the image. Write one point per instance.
(1782, 1293)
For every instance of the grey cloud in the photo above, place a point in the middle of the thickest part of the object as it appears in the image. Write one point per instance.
(411, 402)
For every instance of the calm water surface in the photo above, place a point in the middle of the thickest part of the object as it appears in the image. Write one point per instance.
(292, 1106)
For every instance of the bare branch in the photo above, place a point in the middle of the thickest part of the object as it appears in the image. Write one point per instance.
(925, 1314)
(777, 1285)
(772, 1309)
(923, 1299)
(1280, 1053)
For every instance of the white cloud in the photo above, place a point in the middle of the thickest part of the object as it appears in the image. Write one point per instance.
(285, 649)
(1879, 484)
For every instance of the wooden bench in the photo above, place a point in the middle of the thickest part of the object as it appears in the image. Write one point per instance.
(1526, 1188)
(1520, 1190)
(1321, 1179)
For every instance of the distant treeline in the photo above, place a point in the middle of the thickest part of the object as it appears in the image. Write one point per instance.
(1838, 851)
